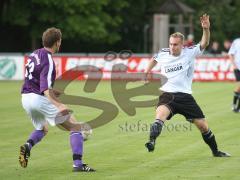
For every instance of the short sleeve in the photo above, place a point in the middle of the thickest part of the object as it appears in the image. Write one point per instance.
(46, 73)
(158, 56)
(196, 50)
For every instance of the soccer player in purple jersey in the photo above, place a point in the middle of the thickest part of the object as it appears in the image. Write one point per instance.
(42, 105)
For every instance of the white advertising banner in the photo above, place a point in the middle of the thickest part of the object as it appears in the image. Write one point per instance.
(11, 67)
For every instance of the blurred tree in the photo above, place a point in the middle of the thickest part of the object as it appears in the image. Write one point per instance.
(83, 19)
(224, 16)
(136, 25)
(102, 25)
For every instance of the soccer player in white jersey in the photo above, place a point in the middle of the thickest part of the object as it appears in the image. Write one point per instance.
(42, 105)
(234, 55)
(177, 64)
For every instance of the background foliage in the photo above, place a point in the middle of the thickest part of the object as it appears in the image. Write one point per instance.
(100, 26)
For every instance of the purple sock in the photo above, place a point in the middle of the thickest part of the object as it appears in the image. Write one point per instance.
(76, 141)
(35, 137)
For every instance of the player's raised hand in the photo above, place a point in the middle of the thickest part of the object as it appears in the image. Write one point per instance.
(204, 19)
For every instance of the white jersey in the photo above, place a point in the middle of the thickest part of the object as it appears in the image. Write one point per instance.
(235, 50)
(178, 69)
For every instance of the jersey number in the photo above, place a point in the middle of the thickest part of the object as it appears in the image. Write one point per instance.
(29, 69)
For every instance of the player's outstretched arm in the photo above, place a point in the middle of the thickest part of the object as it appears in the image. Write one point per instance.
(151, 65)
(205, 23)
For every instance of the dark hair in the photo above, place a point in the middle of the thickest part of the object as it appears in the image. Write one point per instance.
(51, 36)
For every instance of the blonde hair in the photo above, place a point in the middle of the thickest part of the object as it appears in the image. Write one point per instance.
(178, 35)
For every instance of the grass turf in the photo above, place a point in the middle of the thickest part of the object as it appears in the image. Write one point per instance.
(117, 149)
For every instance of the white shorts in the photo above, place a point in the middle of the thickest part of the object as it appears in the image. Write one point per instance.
(41, 110)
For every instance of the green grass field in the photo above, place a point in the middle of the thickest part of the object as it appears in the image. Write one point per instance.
(117, 149)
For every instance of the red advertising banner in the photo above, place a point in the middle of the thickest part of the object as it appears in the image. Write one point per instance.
(206, 68)
(213, 69)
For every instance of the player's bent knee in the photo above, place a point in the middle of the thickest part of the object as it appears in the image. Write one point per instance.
(63, 127)
(69, 126)
(163, 117)
(203, 129)
(238, 89)
(201, 125)
(76, 127)
(45, 131)
(162, 112)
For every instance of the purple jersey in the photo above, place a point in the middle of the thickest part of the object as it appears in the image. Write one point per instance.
(40, 72)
